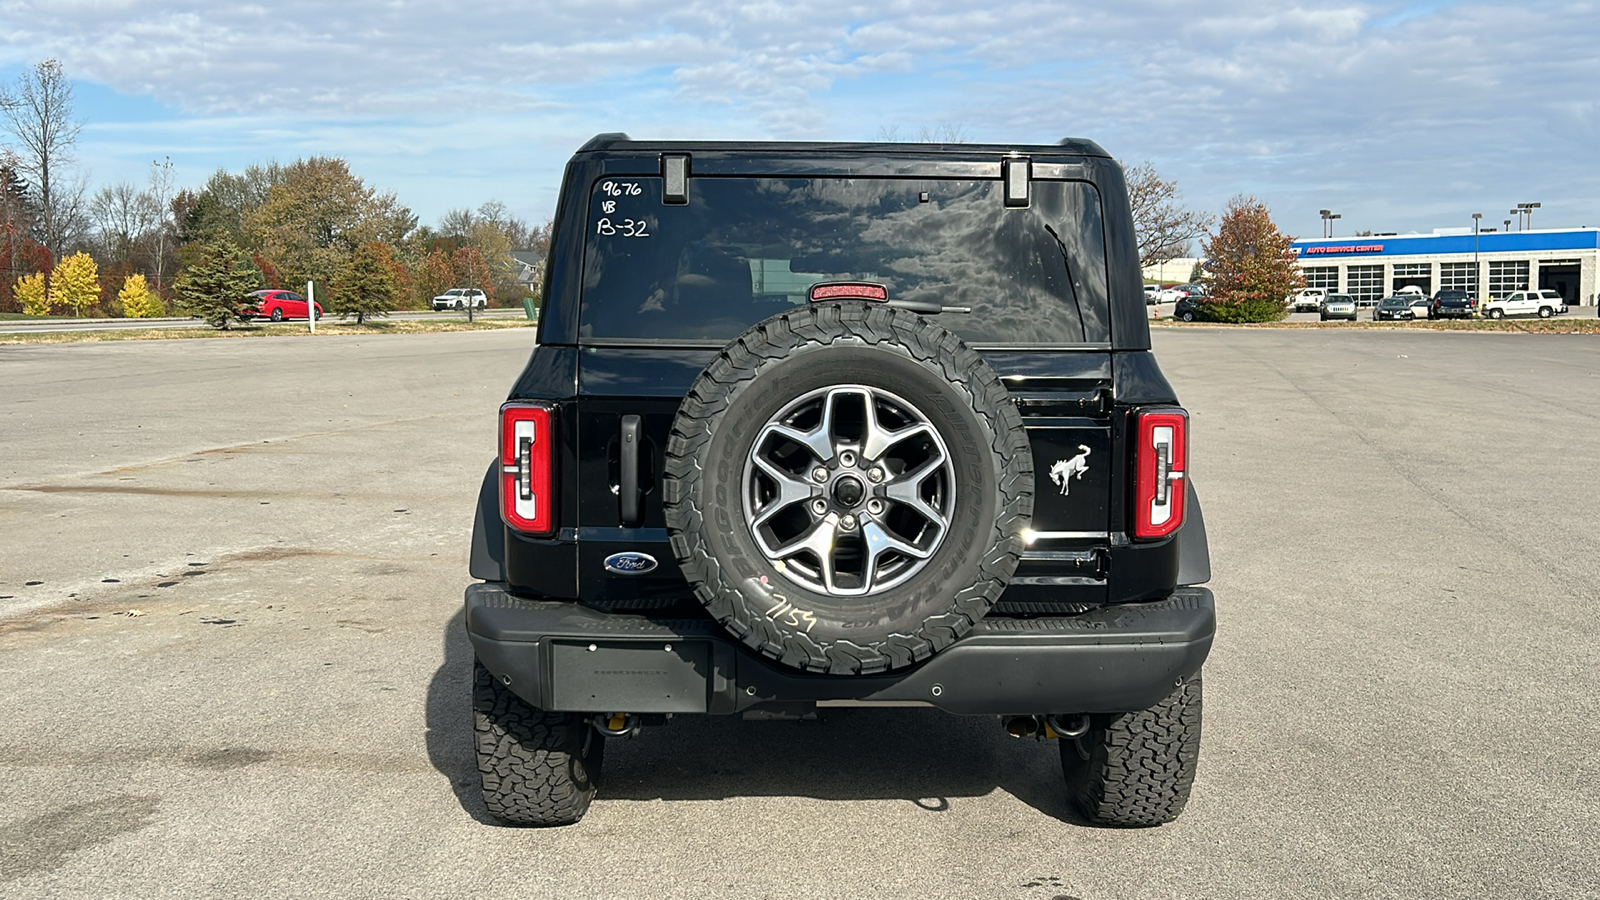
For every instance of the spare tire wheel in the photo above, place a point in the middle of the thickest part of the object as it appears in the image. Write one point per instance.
(846, 488)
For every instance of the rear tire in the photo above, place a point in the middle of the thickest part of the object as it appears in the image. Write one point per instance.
(1545, 312)
(537, 767)
(1135, 770)
(277, 314)
(844, 606)
(1187, 317)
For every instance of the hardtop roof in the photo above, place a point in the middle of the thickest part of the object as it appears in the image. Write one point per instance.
(618, 142)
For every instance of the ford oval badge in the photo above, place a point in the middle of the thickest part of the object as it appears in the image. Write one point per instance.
(630, 563)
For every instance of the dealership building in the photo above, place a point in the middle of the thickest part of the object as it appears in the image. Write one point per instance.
(1495, 263)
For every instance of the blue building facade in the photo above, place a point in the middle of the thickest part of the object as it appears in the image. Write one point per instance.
(1489, 264)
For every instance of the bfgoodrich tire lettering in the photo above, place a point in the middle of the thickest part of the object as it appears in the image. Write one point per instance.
(537, 767)
(764, 371)
(1136, 769)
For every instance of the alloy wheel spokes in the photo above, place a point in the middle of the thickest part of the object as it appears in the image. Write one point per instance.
(791, 490)
(907, 489)
(848, 490)
(819, 542)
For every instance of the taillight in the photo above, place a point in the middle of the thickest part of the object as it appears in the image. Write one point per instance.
(527, 455)
(1160, 464)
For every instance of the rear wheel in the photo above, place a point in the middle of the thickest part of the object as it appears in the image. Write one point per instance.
(537, 767)
(1136, 769)
(1187, 316)
(1546, 312)
(277, 314)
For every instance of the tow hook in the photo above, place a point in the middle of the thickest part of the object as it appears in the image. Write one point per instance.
(616, 724)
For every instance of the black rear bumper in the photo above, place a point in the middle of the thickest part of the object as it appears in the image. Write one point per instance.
(559, 655)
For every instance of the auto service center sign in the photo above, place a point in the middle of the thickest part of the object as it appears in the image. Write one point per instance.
(1330, 249)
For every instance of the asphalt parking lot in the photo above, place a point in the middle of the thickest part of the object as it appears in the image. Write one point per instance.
(230, 580)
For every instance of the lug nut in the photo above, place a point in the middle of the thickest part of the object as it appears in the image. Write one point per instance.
(820, 507)
(875, 506)
(847, 458)
(876, 475)
(848, 523)
(819, 474)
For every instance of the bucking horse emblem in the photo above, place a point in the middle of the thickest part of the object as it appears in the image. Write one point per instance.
(1065, 470)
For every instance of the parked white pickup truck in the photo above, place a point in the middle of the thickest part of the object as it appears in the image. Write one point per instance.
(1308, 300)
(1544, 304)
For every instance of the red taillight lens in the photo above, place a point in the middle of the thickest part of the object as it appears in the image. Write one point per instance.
(1160, 465)
(527, 456)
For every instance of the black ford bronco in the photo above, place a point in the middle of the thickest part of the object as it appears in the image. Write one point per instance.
(817, 425)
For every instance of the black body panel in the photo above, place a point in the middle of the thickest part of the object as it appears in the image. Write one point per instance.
(1110, 660)
(1091, 621)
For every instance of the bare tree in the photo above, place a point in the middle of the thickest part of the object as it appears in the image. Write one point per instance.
(164, 228)
(38, 112)
(122, 215)
(943, 133)
(1164, 228)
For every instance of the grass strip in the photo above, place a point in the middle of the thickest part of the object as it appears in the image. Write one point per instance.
(324, 329)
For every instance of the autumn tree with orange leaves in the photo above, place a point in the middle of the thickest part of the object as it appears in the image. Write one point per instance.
(1252, 266)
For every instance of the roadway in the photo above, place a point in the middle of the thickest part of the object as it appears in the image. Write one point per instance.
(46, 326)
(231, 575)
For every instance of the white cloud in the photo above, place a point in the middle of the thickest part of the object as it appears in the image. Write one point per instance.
(1369, 105)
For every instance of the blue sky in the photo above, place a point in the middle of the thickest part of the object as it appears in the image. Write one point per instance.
(1399, 116)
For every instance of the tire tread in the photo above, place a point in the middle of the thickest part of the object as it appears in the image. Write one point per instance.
(1141, 765)
(856, 324)
(537, 767)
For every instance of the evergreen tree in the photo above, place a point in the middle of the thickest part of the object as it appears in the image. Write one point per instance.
(137, 300)
(214, 285)
(367, 286)
(1252, 266)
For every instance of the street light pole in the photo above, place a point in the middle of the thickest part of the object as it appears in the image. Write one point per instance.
(1327, 221)
(1477, 273)
(1525, 213)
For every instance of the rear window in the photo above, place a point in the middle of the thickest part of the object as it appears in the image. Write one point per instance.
(743, 249)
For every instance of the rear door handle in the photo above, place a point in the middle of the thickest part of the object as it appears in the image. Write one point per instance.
(628, 480)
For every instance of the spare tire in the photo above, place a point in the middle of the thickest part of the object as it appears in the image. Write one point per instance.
(846, 487)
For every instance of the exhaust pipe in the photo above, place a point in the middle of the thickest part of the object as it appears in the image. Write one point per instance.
(1022, 726)
(1068, 726)
(616, 724)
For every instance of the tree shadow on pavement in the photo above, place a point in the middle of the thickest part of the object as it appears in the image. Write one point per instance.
(922, 756)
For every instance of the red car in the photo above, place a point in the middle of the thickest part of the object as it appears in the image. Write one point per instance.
(277, 305)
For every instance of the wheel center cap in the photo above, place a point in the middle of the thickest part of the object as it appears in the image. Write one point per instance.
(848, 490)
